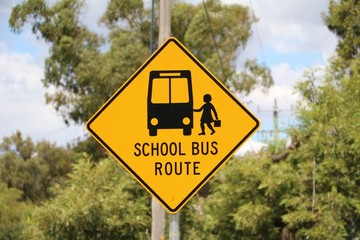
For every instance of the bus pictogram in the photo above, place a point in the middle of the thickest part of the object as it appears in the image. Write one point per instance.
(172, 125)
(170, 101)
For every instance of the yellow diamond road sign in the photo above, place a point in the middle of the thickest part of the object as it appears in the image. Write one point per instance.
(172, 125)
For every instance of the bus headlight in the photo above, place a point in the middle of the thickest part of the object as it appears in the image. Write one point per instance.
(186, 121)
(154, 121)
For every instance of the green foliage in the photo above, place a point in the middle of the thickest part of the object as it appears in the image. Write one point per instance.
(328, 160)
(311, 194)
(97, 202)
(231, 28)
(329, 120)
(32, 167)
(12, 212)
(71, 45)
(343, 20)
(253, 76)
(84, 76)
(244, 202)
(89, 145)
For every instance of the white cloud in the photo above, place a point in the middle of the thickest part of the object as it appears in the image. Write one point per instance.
(250, 146)
(290, 26)
(290, 29)
(92, 12)
(5, 7)
(283, 89)
(19, 74)
(22, 101)
(284, 75)
(262, 104)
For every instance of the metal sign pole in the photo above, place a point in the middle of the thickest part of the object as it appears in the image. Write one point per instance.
(174, 228)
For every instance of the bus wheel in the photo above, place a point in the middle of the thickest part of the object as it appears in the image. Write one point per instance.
(153, 131)
(187, 131)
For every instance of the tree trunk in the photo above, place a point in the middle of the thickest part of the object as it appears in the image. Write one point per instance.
(286, 234)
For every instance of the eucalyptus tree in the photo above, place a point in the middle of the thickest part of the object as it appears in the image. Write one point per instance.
(84, 68)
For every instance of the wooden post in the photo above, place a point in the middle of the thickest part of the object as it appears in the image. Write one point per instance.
(165, 20)
(157, 211)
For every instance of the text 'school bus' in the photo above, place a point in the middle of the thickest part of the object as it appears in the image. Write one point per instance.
(170, 101)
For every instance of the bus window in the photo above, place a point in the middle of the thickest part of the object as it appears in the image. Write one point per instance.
(160, 91)
(179, 90)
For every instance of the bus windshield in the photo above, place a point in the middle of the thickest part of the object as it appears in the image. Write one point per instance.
(170, 90)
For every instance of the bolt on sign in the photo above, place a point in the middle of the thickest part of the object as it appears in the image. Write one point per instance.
(172, 125)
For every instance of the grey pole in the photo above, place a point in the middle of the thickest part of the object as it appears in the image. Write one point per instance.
(164, 33)
(157, 211)
(152, 27)
(158, 220)
(174, 228)
(164, 21)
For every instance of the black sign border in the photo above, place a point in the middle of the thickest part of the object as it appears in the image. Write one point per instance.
(133, 77)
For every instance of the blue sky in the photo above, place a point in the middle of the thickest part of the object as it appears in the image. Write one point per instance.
(289, 38)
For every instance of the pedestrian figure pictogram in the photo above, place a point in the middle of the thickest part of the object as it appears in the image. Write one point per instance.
(151, 125)
(208, 110)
